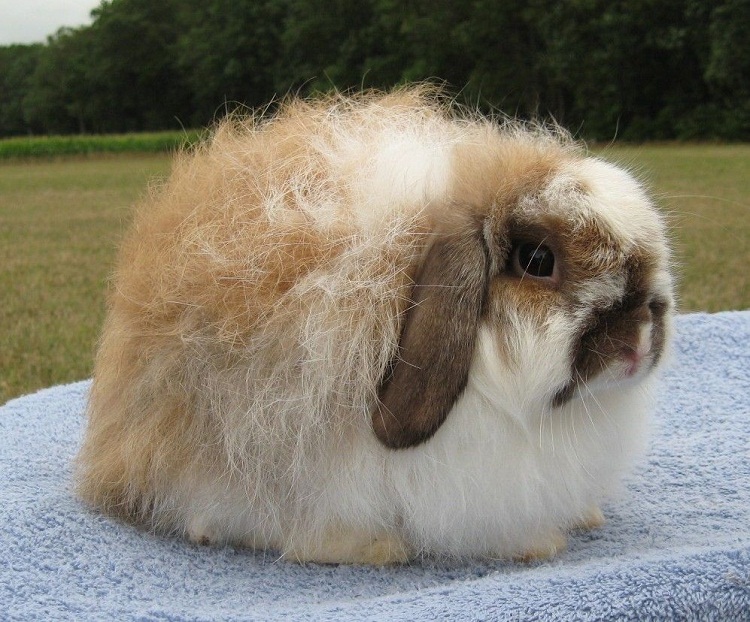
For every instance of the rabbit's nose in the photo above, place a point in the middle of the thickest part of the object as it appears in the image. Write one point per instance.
(635, 355)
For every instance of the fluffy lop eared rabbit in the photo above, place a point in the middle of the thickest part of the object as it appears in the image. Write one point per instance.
(371, 328)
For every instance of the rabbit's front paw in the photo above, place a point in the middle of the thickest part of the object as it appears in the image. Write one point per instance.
(544, 548)
(354, 547)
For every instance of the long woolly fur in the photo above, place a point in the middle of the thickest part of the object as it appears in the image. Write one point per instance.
(257, 304)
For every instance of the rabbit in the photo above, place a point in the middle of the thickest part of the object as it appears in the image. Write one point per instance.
(375, 328)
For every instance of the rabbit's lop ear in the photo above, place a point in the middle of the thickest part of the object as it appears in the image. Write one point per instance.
(437, 342)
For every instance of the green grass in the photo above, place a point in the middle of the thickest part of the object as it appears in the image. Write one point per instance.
(59, 226)
(705, 192)
(56, 146)
(61, 219)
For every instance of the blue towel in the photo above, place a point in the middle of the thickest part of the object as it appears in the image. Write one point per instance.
(676, 548)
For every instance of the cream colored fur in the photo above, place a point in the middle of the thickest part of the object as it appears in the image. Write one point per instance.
(259, 300)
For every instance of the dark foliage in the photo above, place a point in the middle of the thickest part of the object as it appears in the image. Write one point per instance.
(632, 69)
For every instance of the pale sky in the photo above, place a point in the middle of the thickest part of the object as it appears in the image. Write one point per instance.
(31, 21)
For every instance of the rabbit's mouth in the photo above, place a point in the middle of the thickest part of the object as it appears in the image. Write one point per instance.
(621, 348)
(628, 369)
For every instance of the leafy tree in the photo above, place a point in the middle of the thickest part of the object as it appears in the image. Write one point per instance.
(629, 68)
(324, 44)
(17, 65)
(56, 100)
(728, 67)
(434, 32)
(133, 70)
(228, 54)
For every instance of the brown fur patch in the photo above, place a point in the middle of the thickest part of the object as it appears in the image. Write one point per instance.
(613, 330)
(212, 280)
(449, 295)
(437, 344)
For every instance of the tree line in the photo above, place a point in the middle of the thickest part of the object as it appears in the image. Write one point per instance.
(631, 69)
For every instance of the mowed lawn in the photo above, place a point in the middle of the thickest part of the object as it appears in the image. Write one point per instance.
(705, 192)
(60, 222)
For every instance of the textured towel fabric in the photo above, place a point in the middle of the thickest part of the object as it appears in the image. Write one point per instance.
(676, 548)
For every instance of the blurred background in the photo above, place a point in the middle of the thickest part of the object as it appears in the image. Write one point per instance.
(605, 69)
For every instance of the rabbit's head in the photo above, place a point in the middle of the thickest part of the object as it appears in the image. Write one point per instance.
(547, 277)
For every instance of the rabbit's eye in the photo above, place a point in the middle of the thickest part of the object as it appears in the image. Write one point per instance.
(536, 260)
